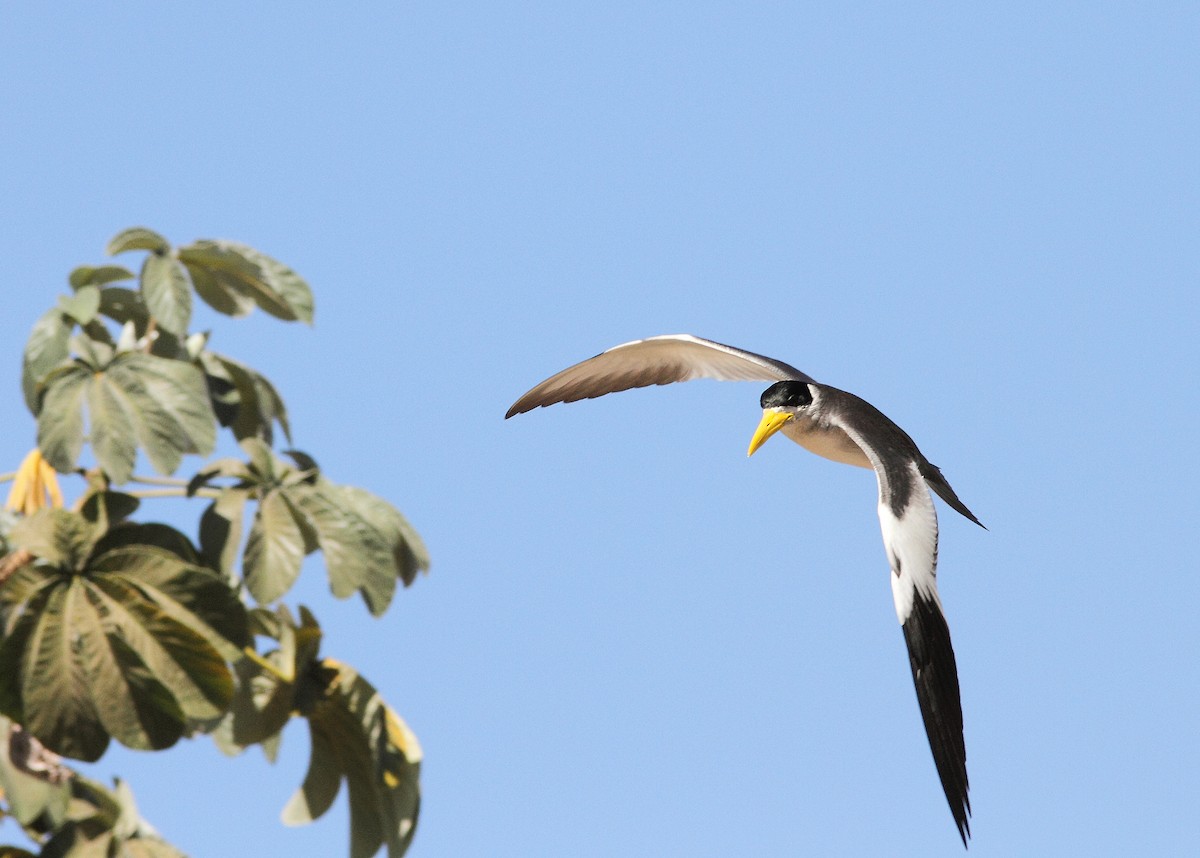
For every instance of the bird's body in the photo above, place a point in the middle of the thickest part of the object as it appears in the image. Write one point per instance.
(842, 427)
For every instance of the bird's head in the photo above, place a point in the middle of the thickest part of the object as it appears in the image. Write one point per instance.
(781, 403)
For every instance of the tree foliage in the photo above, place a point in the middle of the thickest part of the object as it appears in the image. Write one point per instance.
(118, 628)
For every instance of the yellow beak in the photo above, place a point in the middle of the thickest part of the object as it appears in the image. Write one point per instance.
(772, 422)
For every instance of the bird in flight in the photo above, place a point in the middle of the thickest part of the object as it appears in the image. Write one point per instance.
(839, 426)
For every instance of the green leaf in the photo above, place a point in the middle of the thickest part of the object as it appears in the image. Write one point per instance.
(129, 820)
(167, 292)
(165, 344)
(357, 555)
(221, 531)
(87, 275)
(366, 542)
(193, 595)
(83, 305)
(34, 587)
(270, 405)
(262, 706)
(181, 658)
(305, 462)
(87, 839)
(265, 622)
(162, 403)
(137, 238)
(222, 390)
(258, 404)
(96, 330)
(173, 414)
(303, 644)
(60, 418)
(244, 271)
(105, 507)
(135, 645)
(356, 735)
(409, 550)
(221, 297)
(104, 824)
(274, 549)
(265, 699)
(94, 354)
(125, 305)
(112, 437)
(265, 466)
(56, 685)
(322, 781)
(29, 585)
(45, 351)
(287, 283)
(133, 705)
(147, 534)
(62, 538)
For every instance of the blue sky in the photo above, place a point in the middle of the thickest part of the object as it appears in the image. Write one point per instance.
(634, 640)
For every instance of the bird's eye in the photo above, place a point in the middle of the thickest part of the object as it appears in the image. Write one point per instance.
(786, 394)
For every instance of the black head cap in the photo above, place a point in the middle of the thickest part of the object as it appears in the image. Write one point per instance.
(792, 394)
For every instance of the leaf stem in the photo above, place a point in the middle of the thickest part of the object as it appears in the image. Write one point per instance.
(157, 481)
(253, 655)
(174, 492)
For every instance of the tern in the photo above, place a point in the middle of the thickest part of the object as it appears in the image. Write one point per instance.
(839, 426)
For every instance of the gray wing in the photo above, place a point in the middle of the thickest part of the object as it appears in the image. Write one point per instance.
(657, 360)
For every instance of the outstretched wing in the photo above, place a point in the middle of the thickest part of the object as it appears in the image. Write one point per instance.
(657, 360)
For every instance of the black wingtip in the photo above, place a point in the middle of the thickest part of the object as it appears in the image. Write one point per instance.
(935, 676)
(933, 477)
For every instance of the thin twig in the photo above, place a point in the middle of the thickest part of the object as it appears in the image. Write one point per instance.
(179, 492)
(158, 481)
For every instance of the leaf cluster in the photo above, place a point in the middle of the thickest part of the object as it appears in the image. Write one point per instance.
(366, 542)
(130, 630)
(66, 813)
(151, 386)
(355, 736)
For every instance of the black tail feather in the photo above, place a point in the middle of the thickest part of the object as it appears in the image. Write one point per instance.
(935, 675)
